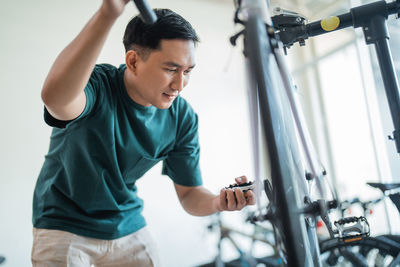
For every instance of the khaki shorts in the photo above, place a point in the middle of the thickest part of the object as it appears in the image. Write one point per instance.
(59, 248)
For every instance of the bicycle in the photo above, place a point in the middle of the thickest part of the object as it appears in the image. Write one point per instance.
(260, 234)
(372, 251)
(287, 141)
(368, 251)
(294, 165)
(389, 190)
(291, 208)
(367, 205)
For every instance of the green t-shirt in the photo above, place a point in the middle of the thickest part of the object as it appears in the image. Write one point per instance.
(87, 183)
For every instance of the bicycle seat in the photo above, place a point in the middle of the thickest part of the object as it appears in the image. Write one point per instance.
(385, 186)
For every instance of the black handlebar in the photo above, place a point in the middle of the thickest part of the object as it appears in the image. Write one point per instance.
(147, 14)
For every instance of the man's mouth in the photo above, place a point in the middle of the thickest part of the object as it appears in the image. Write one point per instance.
(170, 96)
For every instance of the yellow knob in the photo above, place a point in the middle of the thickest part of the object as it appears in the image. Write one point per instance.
(330, 24)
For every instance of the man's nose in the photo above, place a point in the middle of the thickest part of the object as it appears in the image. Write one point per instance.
(179, 82)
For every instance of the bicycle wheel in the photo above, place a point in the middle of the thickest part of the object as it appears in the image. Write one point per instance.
(395, 238)
(371, 251)
(287, 172)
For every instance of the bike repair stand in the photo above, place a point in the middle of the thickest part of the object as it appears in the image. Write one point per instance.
(372, 18)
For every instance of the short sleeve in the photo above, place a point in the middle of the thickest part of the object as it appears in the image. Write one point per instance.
(90, 90)
(182, 163)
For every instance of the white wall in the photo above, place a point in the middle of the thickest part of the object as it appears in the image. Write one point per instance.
(32, 34)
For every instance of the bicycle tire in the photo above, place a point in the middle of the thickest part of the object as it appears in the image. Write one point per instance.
(371, 251)
(395, 238)
(288, 181)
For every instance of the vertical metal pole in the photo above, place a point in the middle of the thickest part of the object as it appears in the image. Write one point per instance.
(378, 26)
(382, 162)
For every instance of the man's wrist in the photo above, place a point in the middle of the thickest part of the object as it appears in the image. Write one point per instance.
(216, 204)
(107, 15)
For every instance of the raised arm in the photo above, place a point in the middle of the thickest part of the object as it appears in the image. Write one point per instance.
(62, 92)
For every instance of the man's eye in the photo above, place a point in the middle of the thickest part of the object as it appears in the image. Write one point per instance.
(187, 71)
(171, 70)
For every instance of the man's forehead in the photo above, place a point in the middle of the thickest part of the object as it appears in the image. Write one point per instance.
(176, 65)
(176, 53)
(175, 42)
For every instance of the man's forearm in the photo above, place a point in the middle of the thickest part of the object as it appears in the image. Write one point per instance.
(200, 202)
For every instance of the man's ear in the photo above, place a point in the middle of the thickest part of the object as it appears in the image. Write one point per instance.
(131, 60)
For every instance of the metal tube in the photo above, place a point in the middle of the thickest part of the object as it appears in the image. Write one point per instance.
(315, 28)
(391, 85)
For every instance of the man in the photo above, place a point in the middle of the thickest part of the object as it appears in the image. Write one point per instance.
(111, 125)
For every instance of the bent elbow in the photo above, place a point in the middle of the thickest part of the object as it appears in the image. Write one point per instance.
(45, 96)
(50, 96)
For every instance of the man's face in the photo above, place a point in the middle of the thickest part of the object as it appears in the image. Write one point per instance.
(161, 77)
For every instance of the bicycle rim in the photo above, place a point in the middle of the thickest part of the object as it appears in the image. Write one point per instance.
(369, 251)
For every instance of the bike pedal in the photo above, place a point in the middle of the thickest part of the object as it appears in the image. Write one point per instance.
(352, 229)
(244, 187)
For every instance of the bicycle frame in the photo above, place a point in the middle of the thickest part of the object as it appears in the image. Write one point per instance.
(271, 96)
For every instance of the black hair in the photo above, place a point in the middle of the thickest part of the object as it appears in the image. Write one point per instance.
(169, 25)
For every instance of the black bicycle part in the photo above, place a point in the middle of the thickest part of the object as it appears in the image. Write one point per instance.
(285, 24)
(385, 186)
(395, 197)
(299, 239)
(146, 13)
(372, 18)
(244, 186)
(269, 261)
(357, 252)
(268, 190)
(316, 208)
(292, 28)
(320, 208)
